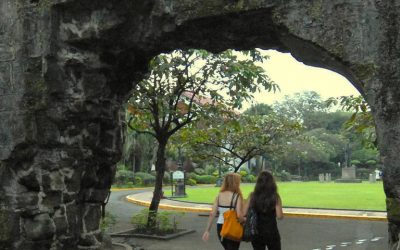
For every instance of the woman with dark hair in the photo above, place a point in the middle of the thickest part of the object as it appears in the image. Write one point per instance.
(229, 197)
(267, 204)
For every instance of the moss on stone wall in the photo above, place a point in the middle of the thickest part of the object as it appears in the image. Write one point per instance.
(393, 209)
(316, 9)
(364, 71)
(4, 226)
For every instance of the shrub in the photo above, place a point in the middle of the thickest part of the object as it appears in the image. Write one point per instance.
(209, 170)
(147, 179)
(191, 182)
(123, 177)
(206, 179)
(283, 176)
(243, 173)
(167, 177)
(107, 222)
(191, 176)
(371, 162)
(249, 178)
(199, 171)
(166, 221)
(244, 168)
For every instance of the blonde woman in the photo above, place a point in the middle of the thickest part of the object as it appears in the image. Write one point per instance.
(228, 197)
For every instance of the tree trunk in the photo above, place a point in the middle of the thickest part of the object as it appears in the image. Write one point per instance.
(160, 169)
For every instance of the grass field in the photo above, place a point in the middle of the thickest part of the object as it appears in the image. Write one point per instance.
(357, 196)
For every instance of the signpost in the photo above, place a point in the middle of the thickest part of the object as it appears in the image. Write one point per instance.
(178, 184)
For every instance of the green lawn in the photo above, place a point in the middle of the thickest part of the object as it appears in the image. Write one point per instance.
(358, 196)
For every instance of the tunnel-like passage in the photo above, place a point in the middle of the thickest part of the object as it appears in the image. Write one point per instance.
(66, 66)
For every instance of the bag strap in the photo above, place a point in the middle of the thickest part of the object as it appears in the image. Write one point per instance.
(235, 195)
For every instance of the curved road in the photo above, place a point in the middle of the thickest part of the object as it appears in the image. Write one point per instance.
(296, 233)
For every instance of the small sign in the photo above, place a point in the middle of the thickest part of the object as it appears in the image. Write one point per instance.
(178, 175)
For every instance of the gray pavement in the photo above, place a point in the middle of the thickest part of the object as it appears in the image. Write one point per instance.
(298, 233)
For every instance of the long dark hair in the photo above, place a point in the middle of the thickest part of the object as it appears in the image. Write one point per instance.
(265, 193)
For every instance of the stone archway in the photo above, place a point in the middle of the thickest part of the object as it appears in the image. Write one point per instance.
(67, 65)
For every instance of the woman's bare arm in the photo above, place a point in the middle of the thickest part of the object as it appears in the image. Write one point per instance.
(213, 213)
(278, 208)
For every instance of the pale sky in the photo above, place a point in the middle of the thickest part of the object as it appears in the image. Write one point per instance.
(293, 76)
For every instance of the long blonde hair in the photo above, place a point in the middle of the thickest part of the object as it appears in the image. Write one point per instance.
(232, 183)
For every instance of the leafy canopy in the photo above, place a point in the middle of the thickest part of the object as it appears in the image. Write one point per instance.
(185, 85)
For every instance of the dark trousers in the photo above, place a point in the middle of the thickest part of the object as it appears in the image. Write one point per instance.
(272, 242)
(226, 243)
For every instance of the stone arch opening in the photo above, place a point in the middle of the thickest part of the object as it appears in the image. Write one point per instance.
(80, 59)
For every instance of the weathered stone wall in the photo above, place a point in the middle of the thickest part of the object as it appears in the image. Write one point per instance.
(66, 67)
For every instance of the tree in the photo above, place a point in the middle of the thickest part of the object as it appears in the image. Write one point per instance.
(259, 109)
(362, 121)
(185, 85)
(303, 107)
(236, 139)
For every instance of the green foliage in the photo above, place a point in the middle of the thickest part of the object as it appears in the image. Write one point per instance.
(205, 179)
(259, 109)
(362, 121)
(107, 222)
(234, 140)
(199, 171)
(283, 176)
(210, 170)
(249, 178)
(123, 177)
(355, 162)
(146, 178)
(191, 182)
(166, 222)
(243, 173)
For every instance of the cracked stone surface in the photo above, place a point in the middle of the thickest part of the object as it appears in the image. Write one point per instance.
(66, 67)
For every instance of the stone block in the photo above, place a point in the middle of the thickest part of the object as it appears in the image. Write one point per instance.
(91, 217)
(60, 221)
(349, 173)
(40, 227)
(9, 227)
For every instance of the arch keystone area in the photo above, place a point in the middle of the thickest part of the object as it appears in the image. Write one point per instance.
(66, 67)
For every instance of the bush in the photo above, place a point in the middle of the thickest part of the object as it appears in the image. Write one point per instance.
(215, 173)
(363, 173)
(243, 173)
(205, 179)
(245, 169)
(209, 170)
(107, 222)
(167, 177)
(123, 177)
(283, 176)
(146, 178)
(249, 178)
(191, 176)
(166, 222)
(191, 182)
(199, 171)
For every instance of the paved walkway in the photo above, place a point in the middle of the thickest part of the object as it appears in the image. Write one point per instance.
(298, 233)
(144, 199)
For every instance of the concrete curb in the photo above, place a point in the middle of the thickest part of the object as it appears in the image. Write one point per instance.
(127, 247)
(286, 214)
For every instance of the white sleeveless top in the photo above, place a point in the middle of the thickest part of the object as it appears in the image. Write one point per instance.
(223, 209)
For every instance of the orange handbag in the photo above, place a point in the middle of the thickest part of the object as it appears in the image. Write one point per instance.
(232, 229)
